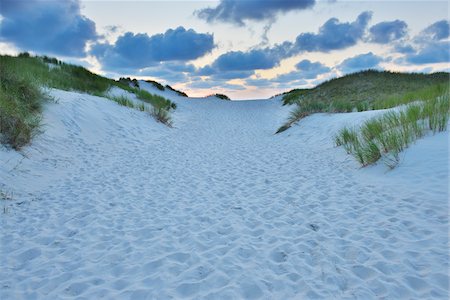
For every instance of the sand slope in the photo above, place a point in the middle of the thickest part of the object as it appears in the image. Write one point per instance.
(109, 203)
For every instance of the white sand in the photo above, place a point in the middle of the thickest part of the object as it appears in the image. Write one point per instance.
(110, 204)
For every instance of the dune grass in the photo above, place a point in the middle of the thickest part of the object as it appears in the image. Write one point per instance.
(123, 100)
(220, 96)
(156, 84)
(21, 93)
(386, 136)
(21, 101)
(179, 93)
(362, 91)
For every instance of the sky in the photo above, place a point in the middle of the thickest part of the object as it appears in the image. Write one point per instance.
(246, 49)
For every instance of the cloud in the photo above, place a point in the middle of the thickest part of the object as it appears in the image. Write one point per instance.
(305, 70)
(238, 12)
(171, 72)
(52, 27)
(436, 31)
(334, 35)
(404, 49)
(232, 75)
(360, 62)
(429, 46)
(259, 82)
(386, 32)
(252, 60)
(140, 50)
(207, 84)
(239, 64)
(163, 74)
(437, 52)
(310, 70)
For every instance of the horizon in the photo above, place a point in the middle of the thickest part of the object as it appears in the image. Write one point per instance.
(247, 50)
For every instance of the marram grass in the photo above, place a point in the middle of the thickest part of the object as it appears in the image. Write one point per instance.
(384, 137)
(362, 91)
(24, 78)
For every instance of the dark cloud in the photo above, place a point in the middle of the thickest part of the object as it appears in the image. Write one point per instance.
(386, 32)
(334, 35)
(51, 27)
(141, 51)
(171, 72)
(239, 64)
(428, 47)
(259, 82)
(437, 31)
(310, 70)
(232, 75)
(205, 71)
(164, 74)
(305, 70)
(179, 66)
(252, 60)
(404, 49)
(437, 52)
(360, 62)
(238, 12)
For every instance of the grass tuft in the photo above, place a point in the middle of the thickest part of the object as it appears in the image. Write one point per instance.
(386, 136)
(21, 103)
(124, 101)
(162, 115)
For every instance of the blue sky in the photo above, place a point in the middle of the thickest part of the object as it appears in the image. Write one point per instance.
(243, 48)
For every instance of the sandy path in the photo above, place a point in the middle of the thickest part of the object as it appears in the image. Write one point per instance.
(219, 208)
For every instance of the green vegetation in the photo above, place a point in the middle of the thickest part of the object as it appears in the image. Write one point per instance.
(130, 82)
(386, 136)
(157, 85)
(124, 101)
(21, 95)
(21, 102)
(367, 90)
(162, 116)
(221, 96)
(180, 93)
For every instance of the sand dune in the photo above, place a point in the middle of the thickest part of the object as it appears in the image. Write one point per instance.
(110, 204)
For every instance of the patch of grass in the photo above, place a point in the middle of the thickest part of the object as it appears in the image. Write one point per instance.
(162, 115)
(179, 93)
(369, 85)
(157, 85)
(21, 101)
(220, 96)
(124, 101)
(386, 136)
(50, 72)
(23, 77)
(129, 82)
(156, 101)
(367, 90)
